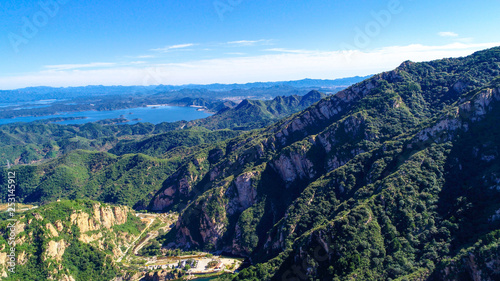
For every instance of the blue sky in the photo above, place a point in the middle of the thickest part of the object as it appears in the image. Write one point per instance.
(144, 42)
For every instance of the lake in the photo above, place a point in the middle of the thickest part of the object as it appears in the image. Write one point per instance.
(154, 115)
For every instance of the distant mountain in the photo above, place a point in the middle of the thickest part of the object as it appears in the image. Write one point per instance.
(46, 93)
(38, 141)
(254, 114)
(209, 104)
(305, 83)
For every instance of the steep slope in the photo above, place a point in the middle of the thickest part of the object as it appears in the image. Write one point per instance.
(68, 240)
(254, 114)
(128, 180)
(160, 144)
(365, 177)
(433, 201)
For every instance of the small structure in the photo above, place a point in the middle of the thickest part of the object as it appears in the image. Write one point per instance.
(219, 265)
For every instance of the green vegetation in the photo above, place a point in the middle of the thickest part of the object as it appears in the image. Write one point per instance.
(398, 181)
(158, 145)
(50, 246)
(26, 143)
(126, 180)
(254, 114)
(212, 264)
(152, 250)
(133, 225)
(85, 262)
(395, 178)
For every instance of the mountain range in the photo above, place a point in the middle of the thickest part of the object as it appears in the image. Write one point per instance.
(45, 93)
(396, 177)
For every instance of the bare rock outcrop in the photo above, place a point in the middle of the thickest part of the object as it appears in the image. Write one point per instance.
(102, 217)
(246, 191)
(55, 250)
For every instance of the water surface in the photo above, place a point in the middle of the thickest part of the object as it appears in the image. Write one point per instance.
(154, 115)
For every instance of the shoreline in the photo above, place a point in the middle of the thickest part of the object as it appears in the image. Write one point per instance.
(59, 116)
(197, 107)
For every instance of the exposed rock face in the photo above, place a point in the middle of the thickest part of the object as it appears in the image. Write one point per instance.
(475, 268)
(290, 165)
(211, 230)
(52, 227)
(336, 152)
(246, 192)
(167, 197)
(3, 261)
(22, 258)
(102, 217)
(326, 110)
(294, 166)
(112, 216)
(82, 220)
(442, 130)
(67, 278)
(161, 275)
(59, 225)
(474, 111)
(179, 185)
(482, 102)
(52, 230)
(38, 216)
(90, 238)
(55, 250)
(20, 227)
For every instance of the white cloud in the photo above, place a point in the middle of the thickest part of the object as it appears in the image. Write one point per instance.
(447, 34)
(465, 39)
(249, 42)
(276, 66)
(145, 57)
(173, 47)
(283, 50)
(78, 66)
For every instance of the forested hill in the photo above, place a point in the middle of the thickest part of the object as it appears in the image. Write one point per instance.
(254, 114)
(394, 177)
(27, 143)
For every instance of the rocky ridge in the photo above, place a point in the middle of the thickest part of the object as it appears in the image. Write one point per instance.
(361, 147)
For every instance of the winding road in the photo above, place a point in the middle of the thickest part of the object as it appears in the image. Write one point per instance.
(135, 241)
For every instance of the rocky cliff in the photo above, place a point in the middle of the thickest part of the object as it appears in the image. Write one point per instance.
(45, 235)
(393, 170)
